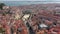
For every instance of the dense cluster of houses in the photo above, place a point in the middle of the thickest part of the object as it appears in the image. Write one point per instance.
(30, 19)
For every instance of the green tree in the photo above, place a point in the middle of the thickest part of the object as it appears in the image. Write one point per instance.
(1, 5)
(2, 30)
(27, 12)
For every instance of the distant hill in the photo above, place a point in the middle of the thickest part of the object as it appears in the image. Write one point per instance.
(20, 3)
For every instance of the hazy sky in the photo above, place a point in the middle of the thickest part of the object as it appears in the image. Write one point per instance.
(29, 0)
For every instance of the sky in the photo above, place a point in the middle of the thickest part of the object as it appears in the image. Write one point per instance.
(31, 0)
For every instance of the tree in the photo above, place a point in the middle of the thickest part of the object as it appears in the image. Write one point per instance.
(27, 12)
(1, 5)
